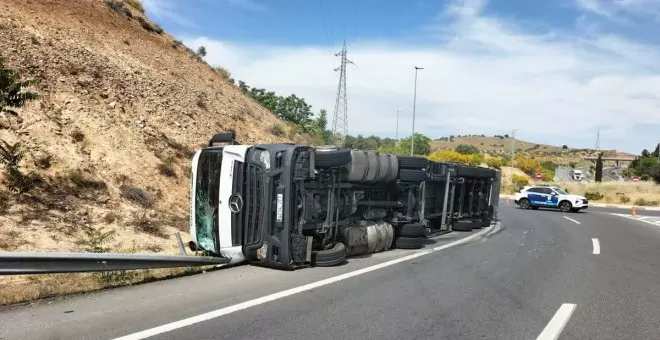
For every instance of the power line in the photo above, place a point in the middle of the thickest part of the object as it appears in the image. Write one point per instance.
(340, 123)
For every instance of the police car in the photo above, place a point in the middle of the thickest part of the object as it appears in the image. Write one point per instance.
(533, 197)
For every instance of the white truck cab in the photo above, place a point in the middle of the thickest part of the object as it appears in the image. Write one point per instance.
(576, 175)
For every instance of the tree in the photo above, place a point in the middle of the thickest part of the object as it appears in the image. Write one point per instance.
(657, 151)
(201, 51)
(564, 147)
(506, 136)
(12, 90)
(645, 153)
(599, 168)
(467, 149)
(422, 144)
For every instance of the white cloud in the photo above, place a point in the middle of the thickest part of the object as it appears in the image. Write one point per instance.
(491, 76)
(620, 9)
(166, 10)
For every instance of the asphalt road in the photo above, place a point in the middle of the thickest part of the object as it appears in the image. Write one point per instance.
(590, 275)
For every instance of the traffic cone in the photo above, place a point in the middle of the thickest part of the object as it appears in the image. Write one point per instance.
(508, 202)
(634, 212)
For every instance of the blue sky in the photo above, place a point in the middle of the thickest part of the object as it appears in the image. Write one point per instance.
(556, 70)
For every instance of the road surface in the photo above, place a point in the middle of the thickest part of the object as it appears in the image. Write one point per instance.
(540, 274)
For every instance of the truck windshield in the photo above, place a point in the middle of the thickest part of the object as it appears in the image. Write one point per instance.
(207, 191)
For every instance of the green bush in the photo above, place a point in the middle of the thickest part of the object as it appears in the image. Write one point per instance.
(641, 202)
(519, 182)
(645, 177)
(467, 149)
(624, 199)
(593, 195)
(278, 130)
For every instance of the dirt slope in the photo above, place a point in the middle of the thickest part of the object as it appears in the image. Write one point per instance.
(122, 105)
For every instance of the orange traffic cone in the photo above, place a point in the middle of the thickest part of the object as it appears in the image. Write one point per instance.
(634, 212)
(508, 202)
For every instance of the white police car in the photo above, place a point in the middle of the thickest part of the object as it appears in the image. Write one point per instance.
(533, 197)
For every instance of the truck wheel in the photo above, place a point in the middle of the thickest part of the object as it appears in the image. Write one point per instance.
(412, 162)
(462, 225)
(409, 243)
(331, 157)
(413, 229)
(409, 175)
(331, 257)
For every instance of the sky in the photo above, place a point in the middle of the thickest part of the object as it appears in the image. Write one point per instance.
(557, 71)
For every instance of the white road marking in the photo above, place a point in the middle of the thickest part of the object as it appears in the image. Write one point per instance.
(572, 220)
(557, 323)
(275, 296)
(645, 219)
(596, 245)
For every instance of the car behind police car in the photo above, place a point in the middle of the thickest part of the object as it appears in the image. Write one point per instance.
(534, 197)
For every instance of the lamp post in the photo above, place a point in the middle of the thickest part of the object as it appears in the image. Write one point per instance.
(412, 141)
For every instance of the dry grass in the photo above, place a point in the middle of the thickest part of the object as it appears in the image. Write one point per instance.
(619, 192)
(508, 172)
(23, 288)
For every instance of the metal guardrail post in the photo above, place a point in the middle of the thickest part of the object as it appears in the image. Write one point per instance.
(44, 263)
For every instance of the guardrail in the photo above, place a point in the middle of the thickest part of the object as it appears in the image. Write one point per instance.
(15, 263)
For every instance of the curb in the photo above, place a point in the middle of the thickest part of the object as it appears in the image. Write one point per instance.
(604, 205)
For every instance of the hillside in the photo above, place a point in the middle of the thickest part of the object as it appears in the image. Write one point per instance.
(122, 107)
(501, 145)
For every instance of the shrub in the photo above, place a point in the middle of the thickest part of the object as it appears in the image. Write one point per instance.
(157, 29)
(77, 136)
(80, 180)
(494, 162)
(137, 196)
(137, 4)
(641, 202)
(645, 177)
(564, 147)
(223, 72)
(145, 224)
(176, 43)
(201, 52)
(519, 182)
(167, 170)
(94, 240)
(624, 199)
(278, 130)
(4, 203)
(149, 26)
(467, 149)
(593, 195)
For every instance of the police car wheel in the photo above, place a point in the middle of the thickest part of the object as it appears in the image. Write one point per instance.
(524, 203)
(565, 206)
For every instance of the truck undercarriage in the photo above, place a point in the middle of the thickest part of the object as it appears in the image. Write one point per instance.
(288, 206)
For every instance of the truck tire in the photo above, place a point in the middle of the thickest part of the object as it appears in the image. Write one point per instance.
(412, 162)
(462, 225)
(331, 257)
(331, 157)
(409, 175)
(413, 229)
(409, 243)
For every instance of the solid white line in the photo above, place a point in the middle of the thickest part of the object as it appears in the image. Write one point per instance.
(275, 296)
(572, 220)
(596, 245)
(630, 217)
(557, 323)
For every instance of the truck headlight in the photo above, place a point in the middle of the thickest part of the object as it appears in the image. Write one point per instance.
(264, 157)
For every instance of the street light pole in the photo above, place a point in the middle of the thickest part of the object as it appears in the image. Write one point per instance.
(513, 147)
(397, 128)
(412, 138)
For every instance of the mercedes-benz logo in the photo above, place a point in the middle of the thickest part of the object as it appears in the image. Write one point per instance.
(235, 203)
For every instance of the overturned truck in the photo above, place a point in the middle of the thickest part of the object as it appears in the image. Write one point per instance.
(288, 206)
